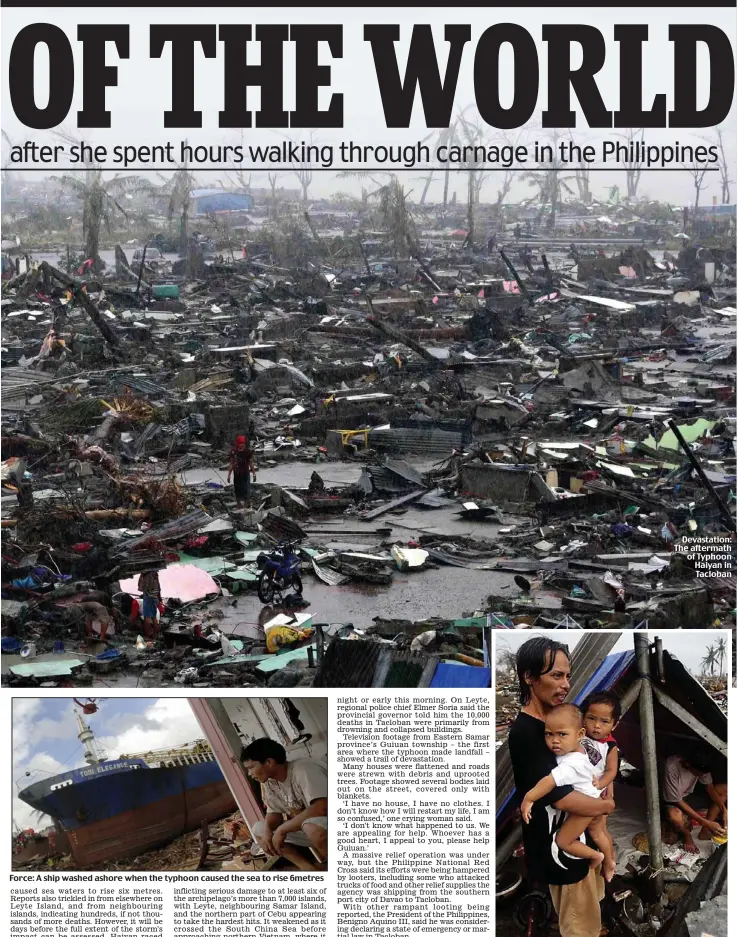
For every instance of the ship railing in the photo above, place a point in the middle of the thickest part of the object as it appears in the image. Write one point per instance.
(192, 758)
(198, 752)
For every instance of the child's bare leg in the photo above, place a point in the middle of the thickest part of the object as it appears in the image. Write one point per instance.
(602, 839)
(681, 824)
(568, 840)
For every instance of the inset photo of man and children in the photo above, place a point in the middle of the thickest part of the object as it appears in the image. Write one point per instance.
(612, 783)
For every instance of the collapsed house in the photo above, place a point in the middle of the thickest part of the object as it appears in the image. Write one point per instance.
(526, 432)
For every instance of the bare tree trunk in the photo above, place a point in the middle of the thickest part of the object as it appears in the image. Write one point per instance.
(446, 178)
(470, 214)
(554, 200)
(92, 242)
(478, 183)
(183, 232)
(425, 189)
(724, 170)
(273, 179)
(582, 177)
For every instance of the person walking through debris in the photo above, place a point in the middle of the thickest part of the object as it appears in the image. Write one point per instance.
(88, 615)
(240, 464)
(150, 587)
(681, 802)
(295, 794)
(544, 672)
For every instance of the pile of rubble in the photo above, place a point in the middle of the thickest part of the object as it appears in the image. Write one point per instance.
(520, 437)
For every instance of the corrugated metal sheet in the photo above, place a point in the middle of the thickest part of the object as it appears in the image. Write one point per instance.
(25, 379)
(282, 528)
(463, 562)
(328, 575)
(404, 470)
(181, 527)
(416, 441)
(384, 480)
(141, 384)
(421, 421)
(348, 664)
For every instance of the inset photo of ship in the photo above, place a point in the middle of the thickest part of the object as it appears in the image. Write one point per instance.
(153, 784)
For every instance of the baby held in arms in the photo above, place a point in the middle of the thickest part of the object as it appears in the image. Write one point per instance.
(578, 764)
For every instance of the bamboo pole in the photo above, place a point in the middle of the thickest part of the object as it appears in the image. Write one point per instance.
(689, 720)
(648, 739)
(630, 697)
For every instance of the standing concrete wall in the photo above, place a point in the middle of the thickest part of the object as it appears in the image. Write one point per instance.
(505, 483)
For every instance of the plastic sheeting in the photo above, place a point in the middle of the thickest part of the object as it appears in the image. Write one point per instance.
(607, 674)
(461, 676)
(186, 583)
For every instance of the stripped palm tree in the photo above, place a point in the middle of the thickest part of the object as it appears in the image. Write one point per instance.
(179, 188)
(100, 200)
(709, 661)
(720, 651)
(551, 184)
(9, 178)
(100, 197)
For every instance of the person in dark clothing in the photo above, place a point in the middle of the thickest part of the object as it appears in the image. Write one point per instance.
(240, 464)
(150, 588)
(544, 671)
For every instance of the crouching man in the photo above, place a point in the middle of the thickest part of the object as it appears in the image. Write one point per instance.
(295, 794)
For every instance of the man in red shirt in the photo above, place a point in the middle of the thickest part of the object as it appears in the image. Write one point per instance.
(240, 463)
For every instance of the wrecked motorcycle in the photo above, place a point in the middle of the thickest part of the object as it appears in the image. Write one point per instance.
(279, 570)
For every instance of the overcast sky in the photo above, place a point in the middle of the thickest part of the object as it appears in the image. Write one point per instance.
(144, 93)
(688, 646)
(45, 737)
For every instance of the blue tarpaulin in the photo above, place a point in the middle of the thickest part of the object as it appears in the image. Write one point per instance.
(461, 676)
(607, 674)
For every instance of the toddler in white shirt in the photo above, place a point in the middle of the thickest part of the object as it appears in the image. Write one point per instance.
(565, 737)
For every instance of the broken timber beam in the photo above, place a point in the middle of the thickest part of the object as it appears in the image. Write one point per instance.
(707, 484)
(100, 514)
(398, 336)
(509, 265)
(691, 721)
(106, 330)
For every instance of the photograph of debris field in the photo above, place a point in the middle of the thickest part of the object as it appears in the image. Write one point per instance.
(258, 436)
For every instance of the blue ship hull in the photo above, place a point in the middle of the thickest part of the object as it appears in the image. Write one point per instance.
(122, 808)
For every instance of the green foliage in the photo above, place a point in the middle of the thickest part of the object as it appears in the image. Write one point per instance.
(100, 202)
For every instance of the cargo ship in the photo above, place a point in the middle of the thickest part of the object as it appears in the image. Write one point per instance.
(121, 808)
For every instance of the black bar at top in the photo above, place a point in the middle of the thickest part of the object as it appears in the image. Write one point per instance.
(453, 15)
